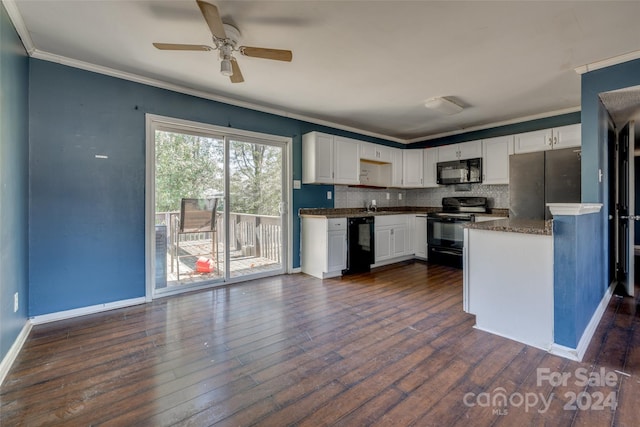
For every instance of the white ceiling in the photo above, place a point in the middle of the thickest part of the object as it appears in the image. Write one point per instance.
(362, 65)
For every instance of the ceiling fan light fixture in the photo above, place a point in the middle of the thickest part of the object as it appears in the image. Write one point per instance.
(225, 68)
(443, 106)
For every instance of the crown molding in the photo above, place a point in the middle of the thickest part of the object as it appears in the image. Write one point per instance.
(498, 124)
(615, 60)
(46, 56)
(18, 22)
(20, 26)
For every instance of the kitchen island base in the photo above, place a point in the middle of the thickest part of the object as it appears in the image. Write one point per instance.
(508, 284)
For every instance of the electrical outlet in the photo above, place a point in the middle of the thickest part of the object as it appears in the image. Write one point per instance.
(15, 302)
(399, 196)
(388, 196)
(328, 195)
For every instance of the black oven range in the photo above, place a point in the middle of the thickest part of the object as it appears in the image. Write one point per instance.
(445, 235)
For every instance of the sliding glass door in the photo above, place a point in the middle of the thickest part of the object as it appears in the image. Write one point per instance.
(256, 200)
(218, 206)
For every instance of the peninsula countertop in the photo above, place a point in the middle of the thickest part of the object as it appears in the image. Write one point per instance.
(526, 226)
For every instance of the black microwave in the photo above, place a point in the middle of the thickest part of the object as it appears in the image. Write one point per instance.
(460, 171)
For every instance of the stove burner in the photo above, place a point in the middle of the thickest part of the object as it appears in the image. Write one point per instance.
(465, 204)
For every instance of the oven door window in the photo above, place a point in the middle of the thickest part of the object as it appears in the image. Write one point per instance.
(445, 233)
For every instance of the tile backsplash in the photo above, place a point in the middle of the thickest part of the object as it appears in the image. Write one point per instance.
(357, 197)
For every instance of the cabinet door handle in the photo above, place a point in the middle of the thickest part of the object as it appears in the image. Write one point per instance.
(555, 140)
(550, 141)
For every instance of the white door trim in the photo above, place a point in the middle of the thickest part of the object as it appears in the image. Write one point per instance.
(153, 122)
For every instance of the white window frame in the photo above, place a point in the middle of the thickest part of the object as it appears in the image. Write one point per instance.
(153, 122)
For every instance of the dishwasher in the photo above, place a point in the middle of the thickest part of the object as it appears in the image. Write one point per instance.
(360, 245)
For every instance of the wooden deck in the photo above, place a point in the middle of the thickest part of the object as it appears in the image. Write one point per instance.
(389, 348)
(240, 265)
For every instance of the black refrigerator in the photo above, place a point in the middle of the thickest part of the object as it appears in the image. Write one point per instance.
(536, 179)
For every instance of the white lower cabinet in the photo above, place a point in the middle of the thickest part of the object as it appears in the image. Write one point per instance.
(383, 243)
(324, 246)
(420, 237)
(393, 237)
(337, 250)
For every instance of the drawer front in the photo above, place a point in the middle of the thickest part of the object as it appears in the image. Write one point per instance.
(336, 224)
(390, 220)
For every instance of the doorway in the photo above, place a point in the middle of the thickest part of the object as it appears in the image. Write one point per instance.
(216, 205)
(624, 216)
(620, 109)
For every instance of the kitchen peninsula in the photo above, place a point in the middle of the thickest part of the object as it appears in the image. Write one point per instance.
(517, 278)
(508, 278)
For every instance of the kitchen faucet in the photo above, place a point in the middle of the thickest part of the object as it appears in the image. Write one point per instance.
(371, 207)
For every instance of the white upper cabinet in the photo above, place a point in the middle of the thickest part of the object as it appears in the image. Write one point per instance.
(548, 139)
(317, 158)
(396, 167)
(328, 159)
(429, 167)
(470, 150)
(529, 142)
(447, 153)
(345, 161)
(567, 136)
(462, 151)
(375, 152)
(412, 165)
(495, 159)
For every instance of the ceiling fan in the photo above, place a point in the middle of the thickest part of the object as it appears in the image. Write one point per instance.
(225, 39)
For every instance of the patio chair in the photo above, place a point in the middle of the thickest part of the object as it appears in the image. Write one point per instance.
(196, 216)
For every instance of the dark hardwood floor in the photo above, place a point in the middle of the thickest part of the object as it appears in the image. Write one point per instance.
(388, 348)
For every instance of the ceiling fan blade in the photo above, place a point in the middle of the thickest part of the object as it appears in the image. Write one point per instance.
(260, 52)
(212, 16)
(236, 77)
(178, 46)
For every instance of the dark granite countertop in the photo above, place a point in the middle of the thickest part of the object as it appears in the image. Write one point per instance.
(400, 210)
(360, 212)
(534, 226)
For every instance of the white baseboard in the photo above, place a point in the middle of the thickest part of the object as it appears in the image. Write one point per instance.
(7, 361)
(541, 346)
(67, 314)
(578, 352)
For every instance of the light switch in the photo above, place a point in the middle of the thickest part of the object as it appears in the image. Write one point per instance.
(297, 184)
(328, 195)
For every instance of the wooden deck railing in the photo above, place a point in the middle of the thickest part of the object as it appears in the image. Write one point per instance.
(252, 235)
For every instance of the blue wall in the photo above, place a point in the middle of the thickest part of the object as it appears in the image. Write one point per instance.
(87, 215)
(595, 142)
(577, 275)
(581, 244)
(14, 157)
